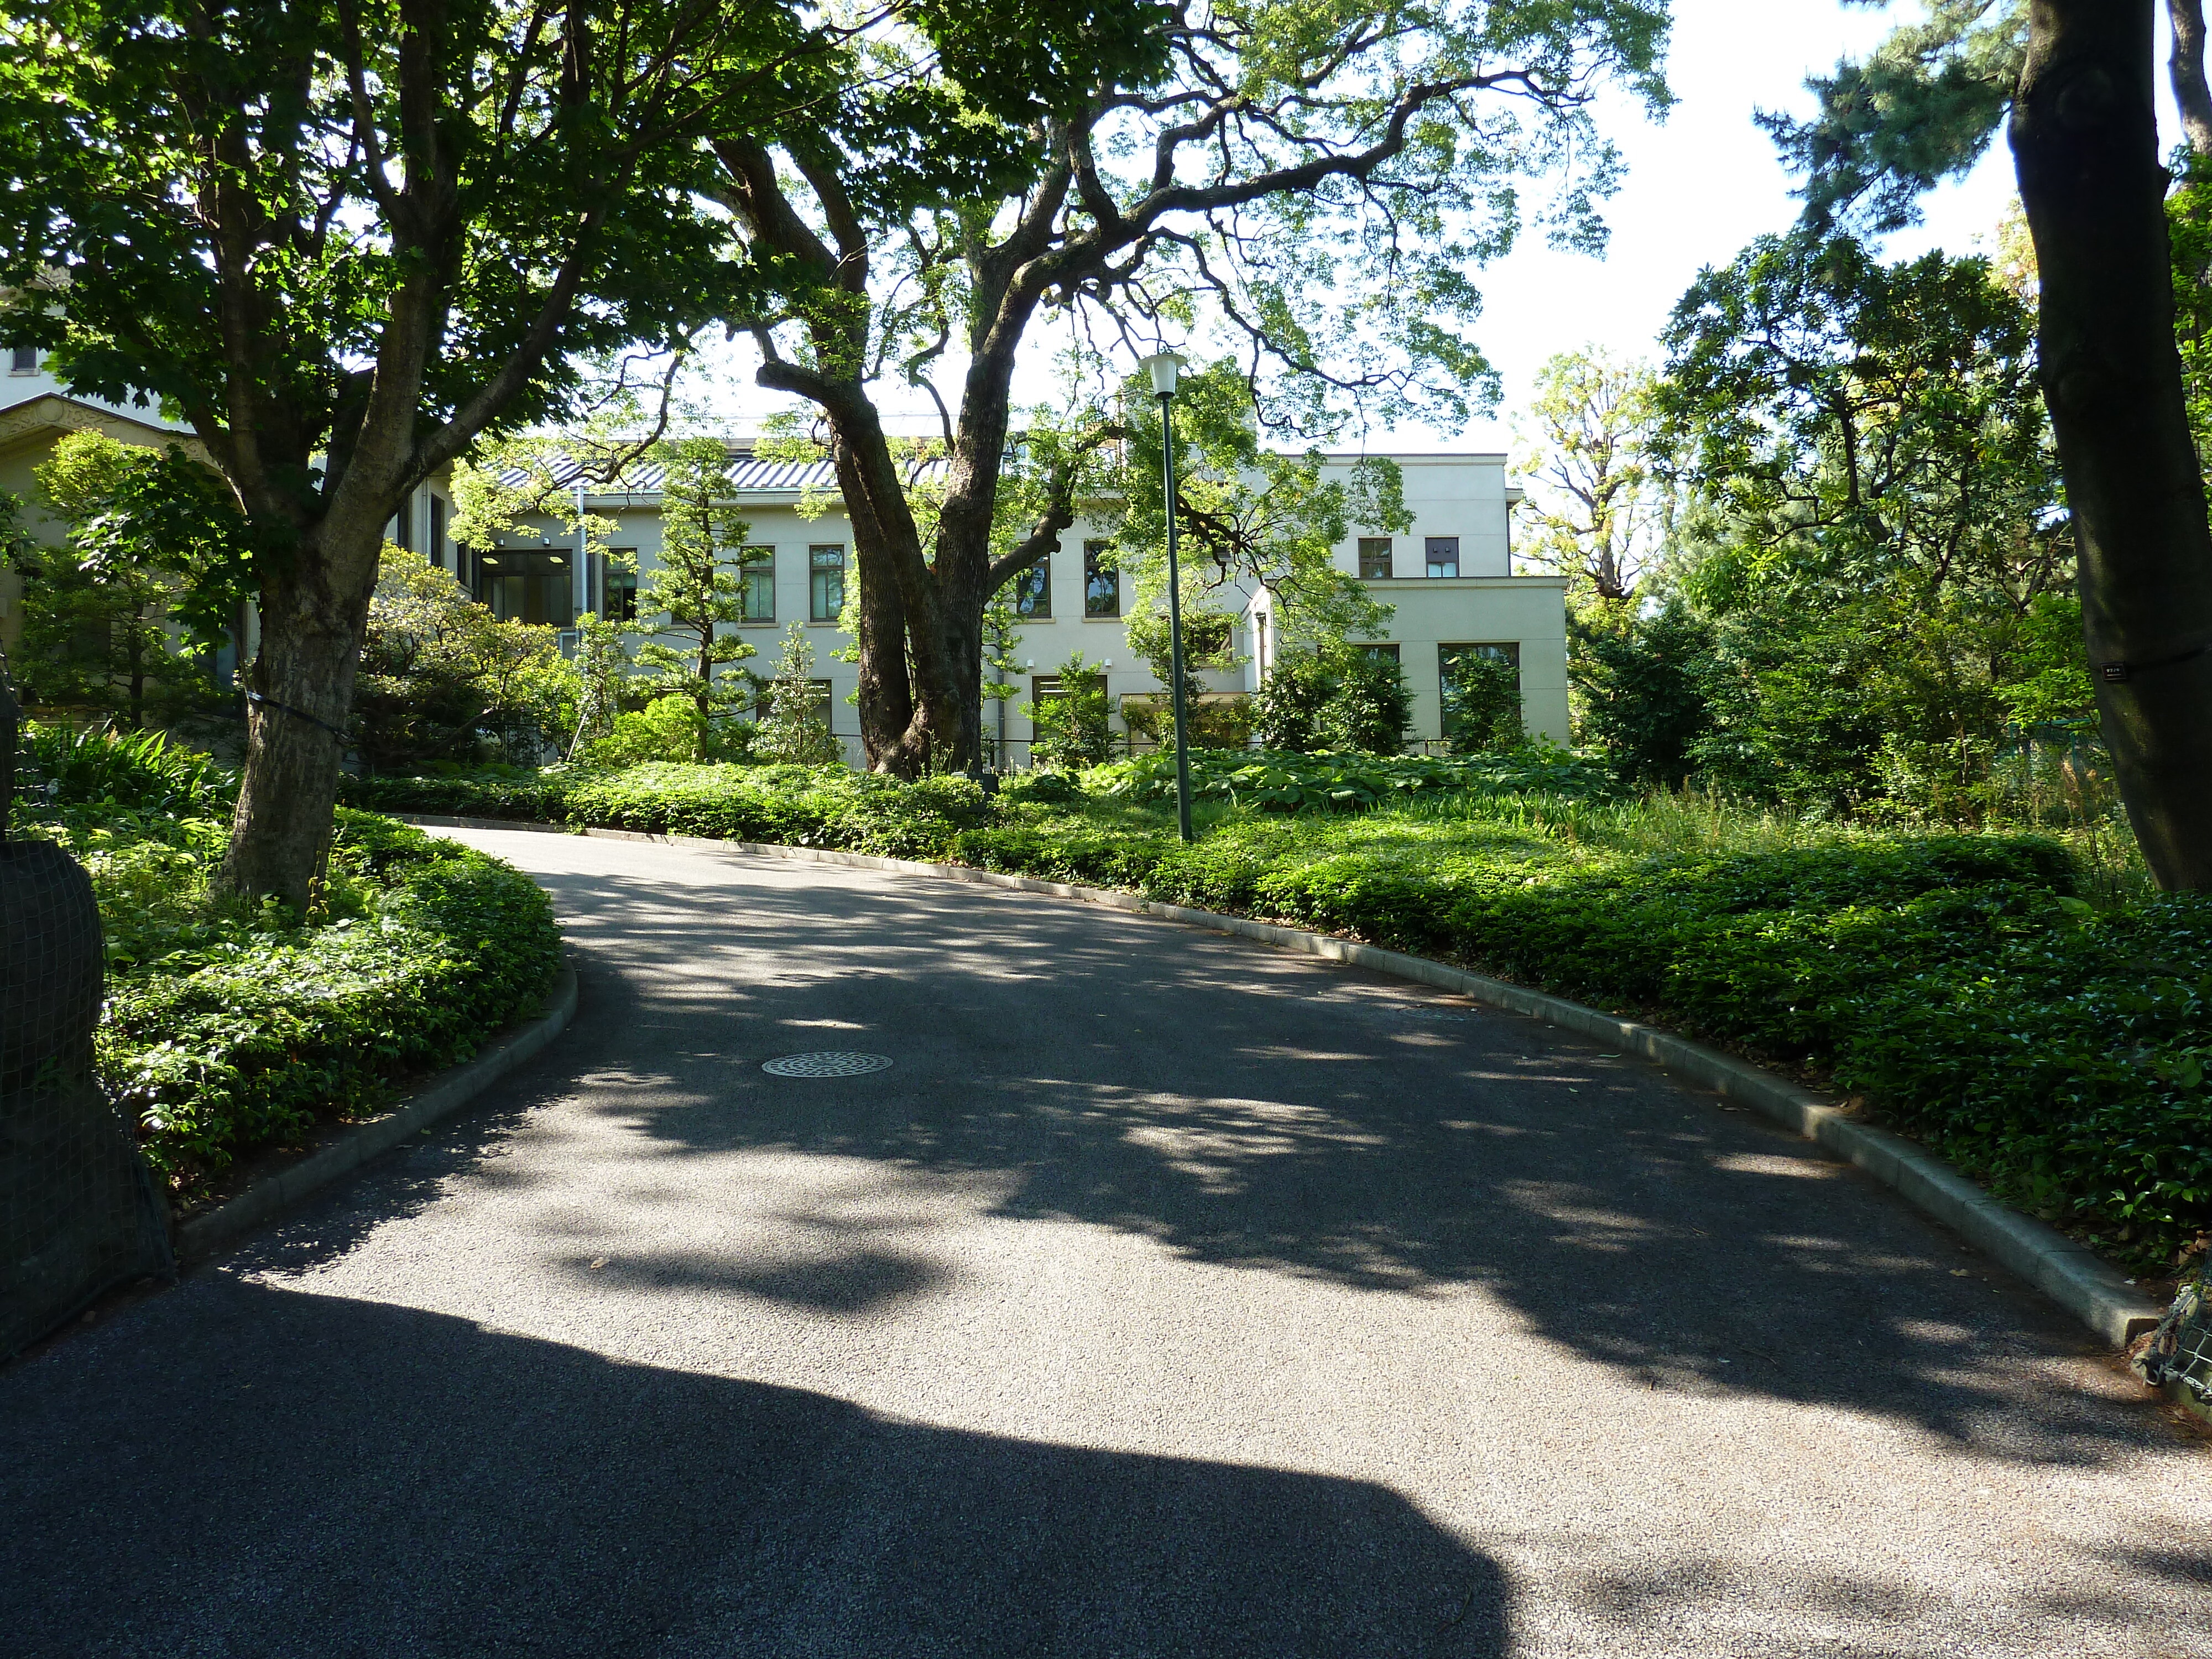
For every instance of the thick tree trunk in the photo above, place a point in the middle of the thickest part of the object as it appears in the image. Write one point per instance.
(314, 612)
(2085, 141)
(2186, 67)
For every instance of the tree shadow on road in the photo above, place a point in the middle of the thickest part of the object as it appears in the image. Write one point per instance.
(1246, 1107)
(352, 1477)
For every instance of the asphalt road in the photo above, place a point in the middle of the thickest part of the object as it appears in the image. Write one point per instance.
(1168, 1296)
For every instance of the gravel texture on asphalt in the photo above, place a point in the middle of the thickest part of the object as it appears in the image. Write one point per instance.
(1168, 1295)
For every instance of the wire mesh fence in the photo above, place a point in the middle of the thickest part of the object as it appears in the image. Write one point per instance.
(2181, 1352)
(79, 1213)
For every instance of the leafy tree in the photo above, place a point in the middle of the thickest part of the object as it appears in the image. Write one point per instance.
(437, 668)
(1075, 726)
(1369, 706)
(345, 242)
(155, 543)
(1316, 181)
(697, 590)
(2075, 79)
(794, 730)
(1286, 712)
(602, 665)
(1597, 505)
(1640, 686)
(1001, 639)
(1481, 704)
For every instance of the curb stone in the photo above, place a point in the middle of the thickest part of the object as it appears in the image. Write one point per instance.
(2070, 1274)
(446, 1094)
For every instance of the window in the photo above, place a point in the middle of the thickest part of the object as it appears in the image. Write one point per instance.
(1388, 652)
(1443, 556)
(622, 596)
(526, 587)
(1481, 690)
(438, 533)
(757, 585)
(24, 361)
(1375, 558)
(1033, 589)
(1205, 640)
(1101, 580)
(817, 706)
(825, 583)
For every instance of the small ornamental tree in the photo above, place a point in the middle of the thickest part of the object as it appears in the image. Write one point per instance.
(1369, 706)
(1481, 704)
(794, 730)
(698, 592)
(155, 560)
(1075, 727)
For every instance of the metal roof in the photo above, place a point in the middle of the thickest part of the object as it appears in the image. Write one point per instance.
(747, 475)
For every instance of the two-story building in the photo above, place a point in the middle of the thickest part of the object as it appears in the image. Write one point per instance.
(1448, 580)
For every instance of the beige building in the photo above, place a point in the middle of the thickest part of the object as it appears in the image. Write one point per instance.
(1448, 579)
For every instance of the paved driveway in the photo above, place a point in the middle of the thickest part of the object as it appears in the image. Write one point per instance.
(1170, 1295)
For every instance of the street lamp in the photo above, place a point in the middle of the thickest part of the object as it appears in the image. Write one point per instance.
(1165, 366)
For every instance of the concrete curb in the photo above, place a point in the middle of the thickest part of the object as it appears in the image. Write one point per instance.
(2086, 1286)
(453, 1090)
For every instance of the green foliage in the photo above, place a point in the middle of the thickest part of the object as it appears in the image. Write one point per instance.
(231, 1026)
(1073, 726)
(1639, 680)
(697, 592)
(1481, 703)
(669, 729)
(437, 668)
(1597, 501)
(1283, 781)
(1342, 698)
(795, 730)
(156, 558)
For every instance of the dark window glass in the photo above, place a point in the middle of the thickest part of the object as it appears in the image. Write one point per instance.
(438, 532)
(1375, 558)
(1389, 651)
(1443, 556)
(756, 584)
(1206, 638)
(825, 582)
(1033, 589)
(622, 596)
(1101, 580)
(1460, 700)
(25, 361)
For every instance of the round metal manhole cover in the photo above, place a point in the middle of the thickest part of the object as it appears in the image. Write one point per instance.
(831, 1062)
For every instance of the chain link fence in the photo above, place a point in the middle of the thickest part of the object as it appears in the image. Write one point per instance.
(79, 1211)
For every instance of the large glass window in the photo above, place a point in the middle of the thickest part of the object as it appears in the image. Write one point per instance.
(1101, 580)
(1481, 689)
(825, 582)
(526, 587)
(1375, 558)
(757, 585)
(1033, 589)
(1443, 556)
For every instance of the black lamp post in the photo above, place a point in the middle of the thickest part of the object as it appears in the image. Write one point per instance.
(1165, 366)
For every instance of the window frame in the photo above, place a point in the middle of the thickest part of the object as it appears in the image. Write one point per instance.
(1368, 545)
(1430, 563)
(1036, 606)
(758, 563)
(1093, 577)
(23, 360)
(815, 570)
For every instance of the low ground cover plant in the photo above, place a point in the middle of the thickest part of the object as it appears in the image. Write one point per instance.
(230, 1028)
(1975, 989)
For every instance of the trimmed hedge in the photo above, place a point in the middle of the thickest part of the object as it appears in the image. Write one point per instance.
(229, 1027)
(1958, 982)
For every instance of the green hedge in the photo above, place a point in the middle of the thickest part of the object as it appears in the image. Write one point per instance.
(230, 1027)
(1958, 982)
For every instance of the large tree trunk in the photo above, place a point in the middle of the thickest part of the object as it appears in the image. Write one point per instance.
(314, 612)
(2085, 141)
(2186, 67)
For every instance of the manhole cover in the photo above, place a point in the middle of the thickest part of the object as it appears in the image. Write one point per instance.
(831, 1062)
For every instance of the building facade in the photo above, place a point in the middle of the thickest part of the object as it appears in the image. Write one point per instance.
(1448, 579)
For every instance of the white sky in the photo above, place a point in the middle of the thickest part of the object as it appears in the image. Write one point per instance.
(1699, 187)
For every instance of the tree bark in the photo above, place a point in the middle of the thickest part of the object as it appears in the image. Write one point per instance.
(314, 612)
(2186, 67)
(2085, 142)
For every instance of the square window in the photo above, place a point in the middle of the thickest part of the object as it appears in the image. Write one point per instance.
(825, 582)
(1033, 590)
(24, 360)
(1101, 580)
(1443, 556)
(1375, 558)
(757, 585)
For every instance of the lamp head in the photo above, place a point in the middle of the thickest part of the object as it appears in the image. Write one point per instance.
(1165, 366)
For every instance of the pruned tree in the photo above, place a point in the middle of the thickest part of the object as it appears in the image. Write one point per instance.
(1317, 181)
(1597, 500)
(695, 595)
(342, 242)
(2075, 80)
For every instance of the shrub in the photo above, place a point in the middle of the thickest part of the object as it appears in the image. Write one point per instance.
(1074, 725)
(669, 728)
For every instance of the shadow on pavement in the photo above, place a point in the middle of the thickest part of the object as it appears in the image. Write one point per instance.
(366, 1480)
(1247, 1107)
